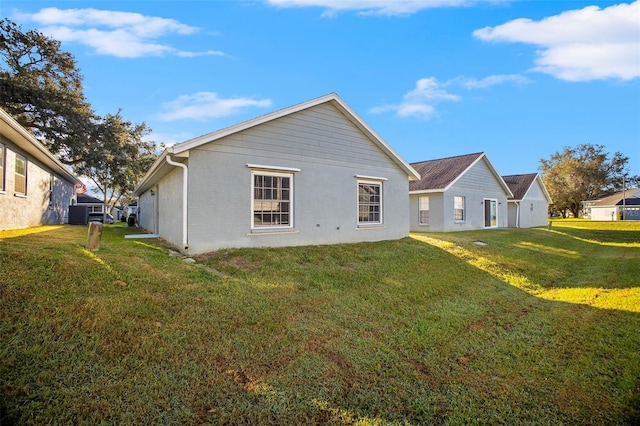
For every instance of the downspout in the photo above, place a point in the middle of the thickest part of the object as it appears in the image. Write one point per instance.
(517, 214)
(185, 181)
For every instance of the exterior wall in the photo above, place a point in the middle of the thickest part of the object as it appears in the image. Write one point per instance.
(329, 151)
(609, 213)
(436, 211)
(534, 209)
(37, 207)
(161, 213)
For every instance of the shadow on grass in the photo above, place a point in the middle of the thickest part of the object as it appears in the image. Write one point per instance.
(396, 332)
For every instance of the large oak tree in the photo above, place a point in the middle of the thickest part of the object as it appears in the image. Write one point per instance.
(41, 87)
(582, 173)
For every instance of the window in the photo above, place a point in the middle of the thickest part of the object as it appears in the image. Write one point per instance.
(51, 181)
(369, 203)
(424, 210)
(458, 208)
(95, 209)
(1, 167)
(21, 175)
(272, 199)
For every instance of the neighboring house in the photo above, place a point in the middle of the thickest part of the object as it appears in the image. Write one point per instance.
(529, 205)
(93, 204)
(612, 207)
(89, 209)
(35, 187)
(458, 193)
(313, 173)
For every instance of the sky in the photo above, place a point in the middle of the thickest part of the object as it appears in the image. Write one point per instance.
(518, 80)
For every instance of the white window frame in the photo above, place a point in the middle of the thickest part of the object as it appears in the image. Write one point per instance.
(423, 205)
(3, 156)
(256, 172)
(380, 204)
(463, 199)
(16, 174)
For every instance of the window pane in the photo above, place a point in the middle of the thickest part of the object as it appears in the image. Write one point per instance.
(1, 167)
(369, 202)
(423, 210)
(458, 206)
(271, 200)
(21, 175)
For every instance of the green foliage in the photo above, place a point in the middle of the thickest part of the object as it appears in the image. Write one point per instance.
(41, 87)
(432, 329)
(117, 157)
(582, 173)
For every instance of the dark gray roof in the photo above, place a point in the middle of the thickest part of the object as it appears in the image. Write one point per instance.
(88, 199)
(519, 184)
(440, 173)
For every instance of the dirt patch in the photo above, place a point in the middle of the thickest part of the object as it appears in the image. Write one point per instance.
(476, 326)
(467, 359)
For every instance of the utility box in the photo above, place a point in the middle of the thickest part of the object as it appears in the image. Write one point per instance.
(78, 215)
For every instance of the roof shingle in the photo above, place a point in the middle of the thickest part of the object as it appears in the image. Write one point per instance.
(519, 184)
(438, 174)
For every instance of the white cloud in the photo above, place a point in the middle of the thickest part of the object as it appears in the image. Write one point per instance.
(196, 54)
(421, 102)
(580, 45)
(492, 80)
(206, 105)
(121, 34)
(373, 7)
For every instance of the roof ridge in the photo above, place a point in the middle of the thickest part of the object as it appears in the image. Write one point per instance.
(449, 158)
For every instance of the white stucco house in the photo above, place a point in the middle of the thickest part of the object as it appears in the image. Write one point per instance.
(458, 193)
(312, 173)
(529, 205)
(611, 208)
(35, 187)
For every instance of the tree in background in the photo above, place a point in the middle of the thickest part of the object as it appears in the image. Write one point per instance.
(582, 173)
(117, 157)
(41, 87)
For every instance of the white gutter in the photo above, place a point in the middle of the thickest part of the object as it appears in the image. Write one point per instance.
(517, 214)
(185, 181)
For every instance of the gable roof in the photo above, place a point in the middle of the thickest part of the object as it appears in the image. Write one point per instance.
(440, 174)
(21, 137)
(631, 196)
(88, 199)
(181, 149)
(520, 185)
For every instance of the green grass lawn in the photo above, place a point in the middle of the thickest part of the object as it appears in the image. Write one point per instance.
(537, 326)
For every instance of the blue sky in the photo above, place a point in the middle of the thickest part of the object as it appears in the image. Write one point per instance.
(518, 80)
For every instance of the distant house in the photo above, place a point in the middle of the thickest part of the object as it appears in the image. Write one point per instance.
(93, 204)
(611, 208)
(458, 193)
(35, 187)
(312, 173)
(529, 205)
